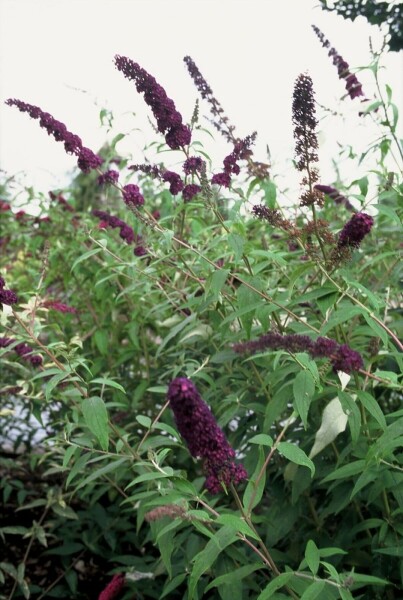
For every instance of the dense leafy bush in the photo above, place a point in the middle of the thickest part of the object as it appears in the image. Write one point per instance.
(201, 280)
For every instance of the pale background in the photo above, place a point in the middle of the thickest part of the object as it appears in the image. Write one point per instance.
(59, 55)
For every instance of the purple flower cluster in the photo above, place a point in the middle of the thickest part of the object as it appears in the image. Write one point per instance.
(59, 306)
(126, 232)
(87, 160)
(204, 438)
(110, 176)
(342, 357)
(132, 195)
(334, 195)
(353, 86)
(192, 165)
(190, 190)
(169, 120)
(175, 181)
(22, 350)
(7, 296)
(241, 151)
(114, 587)
(355, 230)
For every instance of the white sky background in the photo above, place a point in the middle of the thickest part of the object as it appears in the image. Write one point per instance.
(59, 55)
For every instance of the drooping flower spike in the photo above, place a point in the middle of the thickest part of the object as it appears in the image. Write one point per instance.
(204, 438)
(87, 160)
(353, 86)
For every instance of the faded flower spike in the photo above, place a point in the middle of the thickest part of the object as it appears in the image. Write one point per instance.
(355, 230)
(87, 160)
(169, 120)
(205, 439)
(353, 86)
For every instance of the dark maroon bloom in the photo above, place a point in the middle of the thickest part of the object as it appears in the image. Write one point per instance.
(156, 214)
(132, 195)
(20, 215)
(87, 160)
(190, 190)
(353, 86)
(127, 234)
(4, 205)
(22, 350)
(221, 179)
(59, 306)
(113, 589)
(107, 220)
(152, 170)
(7, 296)
(342, 357)
(334, 195)
(204, 438)
(192, 165)
(169, 120)
(110, 176)
(175, 181)
(140, 251)
(355, 230)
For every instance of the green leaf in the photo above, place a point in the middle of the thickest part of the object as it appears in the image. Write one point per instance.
(313, 590)
(217, 282)
(346, 471)
(111, 466)
(101, 339)
(353, 414)
(274, 585)
(238, 525)
(304, 389)
(312, 556)
(109, 383)
(340, 316)
(296, 455)
(255, 489)
(391, 551)
(85, 256)
(237, 243)
(236, 575)
(96, 419)
(203, 561)
(262, 439)
(372, 406)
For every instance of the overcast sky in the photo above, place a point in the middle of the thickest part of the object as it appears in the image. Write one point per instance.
(59, 55)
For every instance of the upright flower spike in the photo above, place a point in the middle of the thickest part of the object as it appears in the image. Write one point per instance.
(87, 160)
(353, 86)
(306, 141)
(169, 120)
(204, 438)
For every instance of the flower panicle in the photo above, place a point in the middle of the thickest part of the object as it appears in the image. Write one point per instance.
(204, 438)
(86, 158)
(342, 357)
(173, 511)
(353, 86)
(107, 220)
(355, 230)
(169, 120)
